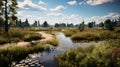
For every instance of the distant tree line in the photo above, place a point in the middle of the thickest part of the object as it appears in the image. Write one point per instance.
(107, 24)
(110, 24)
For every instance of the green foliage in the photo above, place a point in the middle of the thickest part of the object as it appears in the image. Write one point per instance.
(16, 35)
(4, 8)
(45, 24)
(69, 32)
(104, 55)
(108, 24)
(92, 34)
(53, 42)
(2, 22)
(107, 35)
(85, 36)
(33, 37)
(3, 40)
(90, 25)
(15, 53)
(117, 30)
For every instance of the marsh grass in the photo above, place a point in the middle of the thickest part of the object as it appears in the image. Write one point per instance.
(104, 55)
(16, 53)
(17, 35)
(53, 42)
(91, 34)
(69, 32)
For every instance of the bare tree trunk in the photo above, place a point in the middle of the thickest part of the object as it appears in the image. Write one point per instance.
(6, 17)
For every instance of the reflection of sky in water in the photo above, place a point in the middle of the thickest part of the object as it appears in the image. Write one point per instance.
(66, 41)
(47, 58)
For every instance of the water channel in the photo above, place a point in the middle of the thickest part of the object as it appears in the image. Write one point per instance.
(47, 59)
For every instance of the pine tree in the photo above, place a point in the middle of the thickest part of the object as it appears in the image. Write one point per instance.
(8, 9)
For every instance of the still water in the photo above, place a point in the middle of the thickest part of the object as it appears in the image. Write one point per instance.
(47, 58)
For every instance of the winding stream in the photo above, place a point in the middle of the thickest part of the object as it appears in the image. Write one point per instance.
(64, 43)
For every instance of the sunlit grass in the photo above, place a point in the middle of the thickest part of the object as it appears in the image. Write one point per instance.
(104, 55)
(53, 42)
(17, 35)
(16, 53)
(91, 34)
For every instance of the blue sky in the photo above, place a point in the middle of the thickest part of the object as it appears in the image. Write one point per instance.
(68, 11)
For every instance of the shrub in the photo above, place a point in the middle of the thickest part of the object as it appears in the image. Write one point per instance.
(35, 36)
(107, 35)
(104, 55)
(53, 42)
(85, 36)
(69, 32)
(3, 40)
(17, 35)
(15, 53)
(117, 30)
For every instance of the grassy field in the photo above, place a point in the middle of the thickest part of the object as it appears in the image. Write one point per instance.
(17, 53)
(104, 55)
(91, 34)
(16, 35)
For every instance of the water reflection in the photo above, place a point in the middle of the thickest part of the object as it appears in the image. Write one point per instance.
(48, 58)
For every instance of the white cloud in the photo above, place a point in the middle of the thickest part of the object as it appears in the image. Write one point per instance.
(112, 15)
(58, 8)
(73, 16)
(103, 18)
(27, 4)
(98, 2)
(72, 2)
(55, 14)
(41, 2)
(82, 2)
(19, 13)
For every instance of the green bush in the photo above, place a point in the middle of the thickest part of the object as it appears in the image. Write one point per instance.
(53, 42)
(85, 37)
(3, 40)
(117, 30)
(17, 35)
(107, 35)
(69, 32)
(104, 55)
(32, 37)
(15, 53)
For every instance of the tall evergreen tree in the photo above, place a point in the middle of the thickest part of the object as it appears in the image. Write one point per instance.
(90, 25)
(57, 25)
(35, 24)
(118, 22)
(45, 24)
(26, 24)
(101, 25)
(108, 24)
(8, 9)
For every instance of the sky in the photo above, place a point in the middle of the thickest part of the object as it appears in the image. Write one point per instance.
(68, 11)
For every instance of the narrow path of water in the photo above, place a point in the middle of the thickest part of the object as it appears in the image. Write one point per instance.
(48, 59)
(64, 43)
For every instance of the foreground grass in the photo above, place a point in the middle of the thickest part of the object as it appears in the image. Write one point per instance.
(104, 55)
(17, 53)
(53, 42)
(91, 34)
